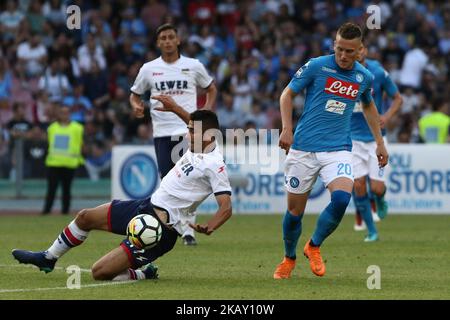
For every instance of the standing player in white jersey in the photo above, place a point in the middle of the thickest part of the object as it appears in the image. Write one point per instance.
(200, 172)
(321, 144)
(365, 162)
(177, 76)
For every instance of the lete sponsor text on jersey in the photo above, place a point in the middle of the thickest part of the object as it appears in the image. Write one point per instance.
(341, 88)
(171, 84)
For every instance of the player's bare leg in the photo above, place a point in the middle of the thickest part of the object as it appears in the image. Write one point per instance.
(359, 222)
(362, 203)
(115, 265)
(292, 228)
(379, 189)
(73, 235)
(328, 221)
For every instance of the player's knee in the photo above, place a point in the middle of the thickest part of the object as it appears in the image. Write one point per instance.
(295, 209)
(340, 200)
(360, 187)
(83, 220)
(99, 272)
(377, 188)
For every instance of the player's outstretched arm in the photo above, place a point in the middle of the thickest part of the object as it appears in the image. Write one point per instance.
(169, 105)
(286, 107)
(137, 105)
(373, 120)
(223, 214)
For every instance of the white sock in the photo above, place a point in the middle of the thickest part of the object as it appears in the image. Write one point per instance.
(130, 274)
(71, 236)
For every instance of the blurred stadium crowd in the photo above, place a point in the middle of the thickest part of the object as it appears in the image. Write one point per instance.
(251, 47)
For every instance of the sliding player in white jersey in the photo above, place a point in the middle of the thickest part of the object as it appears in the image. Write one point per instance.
(200, 172)
(177, 76)
(365, 160)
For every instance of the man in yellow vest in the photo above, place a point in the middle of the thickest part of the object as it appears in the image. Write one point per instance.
(65, 140)
(434, 127)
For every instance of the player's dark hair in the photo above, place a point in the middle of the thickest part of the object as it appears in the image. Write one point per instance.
(164, 27)
(350, 31)
(208, 118)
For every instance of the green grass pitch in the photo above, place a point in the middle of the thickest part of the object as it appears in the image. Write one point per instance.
(237, 262)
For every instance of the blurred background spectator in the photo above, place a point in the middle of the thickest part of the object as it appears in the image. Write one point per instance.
(251, 47)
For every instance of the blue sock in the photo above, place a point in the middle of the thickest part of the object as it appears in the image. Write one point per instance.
(363, 206)
(331, 216)
(292, 229)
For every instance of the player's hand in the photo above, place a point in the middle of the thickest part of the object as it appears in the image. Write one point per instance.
(286, 139)
(201, 228)
(168, 104)
(383, 121)
(138, 108)
(382, 155)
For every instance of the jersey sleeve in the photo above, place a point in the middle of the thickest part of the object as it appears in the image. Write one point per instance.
(388, 85)
(202, 77)
(141, 83)
(303, 77)
(218, 179)
(366, 96)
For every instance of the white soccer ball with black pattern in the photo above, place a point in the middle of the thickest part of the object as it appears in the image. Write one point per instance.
(144, 231)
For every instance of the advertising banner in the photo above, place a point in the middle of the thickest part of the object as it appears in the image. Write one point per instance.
(417, 178)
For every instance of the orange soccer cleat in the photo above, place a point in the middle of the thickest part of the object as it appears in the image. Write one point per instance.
(315, 259)
(284, 269)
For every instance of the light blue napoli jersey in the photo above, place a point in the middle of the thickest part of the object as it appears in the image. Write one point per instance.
(331, 95)
(382, 82)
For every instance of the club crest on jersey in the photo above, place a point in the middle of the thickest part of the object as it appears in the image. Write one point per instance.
(341, 88)
(359, 77)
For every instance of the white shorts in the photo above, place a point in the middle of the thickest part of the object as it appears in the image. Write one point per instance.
(365, 161)
(302, 169)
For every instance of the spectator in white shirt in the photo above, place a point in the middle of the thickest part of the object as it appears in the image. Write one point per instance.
(88, 52)
(54, 82)
(32, 56)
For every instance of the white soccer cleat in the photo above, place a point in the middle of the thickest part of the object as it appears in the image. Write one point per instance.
(359, 227)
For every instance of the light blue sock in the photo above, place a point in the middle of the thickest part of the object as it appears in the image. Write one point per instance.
(363, 206)
(331, 216)
(292, 229)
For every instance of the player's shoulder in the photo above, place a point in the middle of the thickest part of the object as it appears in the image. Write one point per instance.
(213, 160)
(376, 67)
(152, 63)
(367, 74)
(319, 61)
(190, 62)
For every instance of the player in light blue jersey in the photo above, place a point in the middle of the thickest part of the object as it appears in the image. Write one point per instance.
(321, 144)
(365, 163)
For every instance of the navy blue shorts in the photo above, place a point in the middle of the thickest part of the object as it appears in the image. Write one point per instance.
(119, 215)
(163, 150)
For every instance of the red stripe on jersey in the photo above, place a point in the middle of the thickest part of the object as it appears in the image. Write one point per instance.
(342, 88)
(71, 237)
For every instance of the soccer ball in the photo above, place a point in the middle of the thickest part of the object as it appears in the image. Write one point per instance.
(144, 231)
